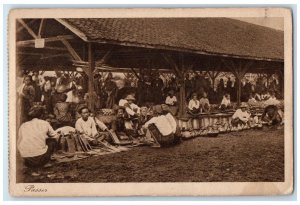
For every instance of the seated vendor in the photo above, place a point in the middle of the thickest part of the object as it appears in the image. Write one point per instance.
(226, 103)
(161, 122)
(194, 104)
(36, 141)
(252, 101)
(272, 115)
(171, 99)
(144, 117)
(119, 126)
(87, 127)
(241, 117)
(132, 109)
(204, 103)
(272, 100)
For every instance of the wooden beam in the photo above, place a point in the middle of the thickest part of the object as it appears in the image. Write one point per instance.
(47, 40)
(135, 73)
(54, 56)
(105, 57)
(73, 29)
(30, 31)
(91, 57)
(71, 49)
(46, 47)
(20, 28)
(40, 28)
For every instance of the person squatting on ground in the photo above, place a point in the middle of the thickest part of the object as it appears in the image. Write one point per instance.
(87, 127)
(161, 122)
(241, 118)
(37, 139)
(272, 115)
(119, 126)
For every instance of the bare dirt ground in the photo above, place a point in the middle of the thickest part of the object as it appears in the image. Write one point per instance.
(250, 155)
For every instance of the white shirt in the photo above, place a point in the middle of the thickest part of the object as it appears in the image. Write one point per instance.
(88, 128)
(272, 101)
(171, 100)
(132, 106)
(32, 137)
(225, 101)
(194, 104)
(244, 116)
(172, 122)
(162, 124)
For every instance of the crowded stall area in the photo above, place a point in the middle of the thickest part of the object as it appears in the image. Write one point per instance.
(101, 86)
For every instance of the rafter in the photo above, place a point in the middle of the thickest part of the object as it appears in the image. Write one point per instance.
(47, 40)
(71, 49)
(40, 28)
(30, 31)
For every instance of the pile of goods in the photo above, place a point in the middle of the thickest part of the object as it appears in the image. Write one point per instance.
(106, 116)
(70, 141)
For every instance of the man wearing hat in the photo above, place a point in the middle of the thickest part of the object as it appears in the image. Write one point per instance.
(131, 108)
(36, 141)
(241, 117)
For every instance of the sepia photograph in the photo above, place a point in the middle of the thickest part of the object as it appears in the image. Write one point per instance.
(111, 103)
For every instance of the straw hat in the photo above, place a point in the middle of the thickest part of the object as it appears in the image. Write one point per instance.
(243, 105)
(130, 97)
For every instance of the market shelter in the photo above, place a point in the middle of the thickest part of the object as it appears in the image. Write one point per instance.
(134, 44)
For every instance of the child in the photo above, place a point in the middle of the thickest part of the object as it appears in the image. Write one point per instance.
(194, 104)
(225, 104)
(204, 103)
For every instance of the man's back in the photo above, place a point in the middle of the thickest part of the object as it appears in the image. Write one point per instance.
(32, 137)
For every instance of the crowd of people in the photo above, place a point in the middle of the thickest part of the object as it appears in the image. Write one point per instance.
(49, 103)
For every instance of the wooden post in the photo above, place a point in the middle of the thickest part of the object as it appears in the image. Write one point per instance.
(239, 90)
(182, 96)
(91, 67)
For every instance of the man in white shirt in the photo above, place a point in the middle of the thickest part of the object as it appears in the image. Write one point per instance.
(87, 127)
(226, 103)
(36, 141)
(171, 99)
(132, 109)
(241, 117)
(272, 100)
(162, 124)
(194, 104)
(204, 103)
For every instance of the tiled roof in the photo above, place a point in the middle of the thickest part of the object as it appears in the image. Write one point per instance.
(219, 36)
